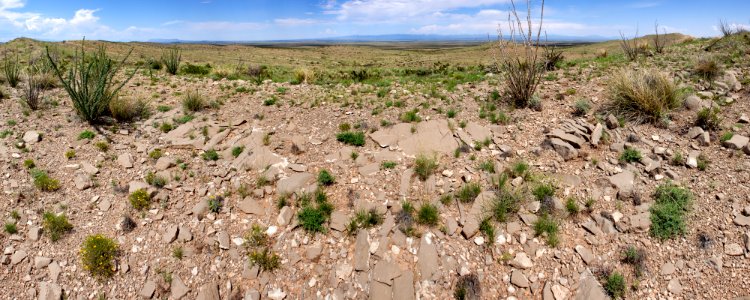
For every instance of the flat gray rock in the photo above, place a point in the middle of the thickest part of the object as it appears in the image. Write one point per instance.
(178, 289)
(736, 142)
(403, 286)
(623, 181)
(361, 258)
(589, 288)
(31, 137)
(518, 279)
(427, 256)
(49, 291)
(585, 254)
(148, 289)
(250, 206)
(209, 291)
(294, 183)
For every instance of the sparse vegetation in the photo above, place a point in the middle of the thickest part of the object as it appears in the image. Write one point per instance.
(364, 219)
(642, 95)
(615, 285)
(469, 192)
(708, 119)
(171, 59)
(98, 254)
(671, 204)
(193, 102)
(547, 226)
(630, 155)
(428, 215)
(43, 182)
(352, 138)
(211, 155)
(314, 212)
(424, 166)
(325, 178)
(55, 225)
(467, 288)
(707, 68)
(140, 199)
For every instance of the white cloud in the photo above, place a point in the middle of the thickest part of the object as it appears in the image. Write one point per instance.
(295, 22)
(393, 11)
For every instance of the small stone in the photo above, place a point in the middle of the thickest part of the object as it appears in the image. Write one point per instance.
(736, 142)
(276, 294)
(612, 122)
(585, 254)
(49, 291)
(41, 262)
(148, 289)
(223, 238)
(667, 269)
(285, 216)
(674, 286)
(250, 206)
(522, 261)
(31, 137)
(733, 249)
(519, 279)
(125, 160)
(178, 289)
(17, 257)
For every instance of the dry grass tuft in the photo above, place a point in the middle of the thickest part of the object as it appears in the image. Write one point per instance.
(642, 95)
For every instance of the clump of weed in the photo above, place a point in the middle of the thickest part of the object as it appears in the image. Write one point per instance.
(708, 119)
(177, 252)
(86, 134)
(469, 192)
(543, 191)
(155, 154)
(388, 164)
(364, 219)
(215, 203)
(103, 146)
(140, 199)
(571, 206)
(211, 155)
(428, 214)
(352, 138)
(581, 107)
(193, 102)
(43, 182)
(125, 109)
(467, 288)
(635, 257)
(630, 155)
(642, 95)
(314, 214)
(325, 178)
(424, 166)
(486, 228)
(519, 169)
(411, 116)
(155, 180)
(668, 211)
(678, 159)
(702, 162)
(615, 285)
(547, 226)
(707, 68)
(504, 204)
(98, 255)
(127, 224)
(55, 225)
(237, 150)
(487, 166)
(29, 164)
(265, 259)
(10, 228)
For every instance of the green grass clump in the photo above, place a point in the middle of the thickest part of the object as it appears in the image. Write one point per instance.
(546, 225)
(352, 138)
(572, 207)
(56, 225)
(411, 117)
(635, 257)
(43, 182)
(504, 204)
(703, 162)
(726, 136)
(671, 203)
(543, 191)
(215, 203)
(155, 154)
(237, 150)
(364, 219)
(256, 237)
(644, 95)
(487, 166)
(630, 155)
(325, 178)
(345, 127)
(519, 169)
(70, 154)
(163, 108)
(171, 59)
(103, 146)
(140, 199)
(428, 215)
(177, 252)
(424, 166)
(388, 164)
(581, 107)
(708, 119)
(211, 154)
(469, 192)
(265, 259)
(86, 134)
(193, 102)
(615, 285)
(166, 127)
(11, 228)
(312, 216)
(155, 180)
(486, 228)
(98, 255)
(451, 113)
(29, 164)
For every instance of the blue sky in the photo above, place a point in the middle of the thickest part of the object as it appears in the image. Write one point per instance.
(247, 20)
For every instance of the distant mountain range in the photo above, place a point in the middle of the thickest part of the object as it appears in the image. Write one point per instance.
(478, 38)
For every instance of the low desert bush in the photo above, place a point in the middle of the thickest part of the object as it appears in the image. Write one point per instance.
(314, 212)
(98, 255)
(708, 119)
(424, 166)
(351, 138)
(55, 225)
(171, 59)
(427, 214)
(140, 199)
(469, 192)
(43, 181)
(642, 95)
(707, 68)
(126, 109)
(668, 212)
(193, 102)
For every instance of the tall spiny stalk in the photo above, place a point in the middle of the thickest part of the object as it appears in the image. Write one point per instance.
(90, 81)
(171, 58)
(12, 70)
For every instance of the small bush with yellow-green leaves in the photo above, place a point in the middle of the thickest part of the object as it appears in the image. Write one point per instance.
(43, 182)
(56, 225)
(98, 255)
(140, 199)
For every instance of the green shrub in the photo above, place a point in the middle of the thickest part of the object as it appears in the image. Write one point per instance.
(668, 211)
(486, 228)
(410, 117)
(487, 166)
(364, 219)
(98, 255)
(155, 154)
(312, 216)
(451, 113)
(345, 127)
(215, 203)
(29, 164)
(469, 192)
(325, 178)
(171, 59)
(163, 108)
(140, 199)
(546, 225)
(11, 228)
(43, 182)
(103, 146)
(155, 180)
(265, 259)
(428, 215)
(630, 155)
(70, 154)
(56, 225)
(424, 166)
(12, 71)
(128, 109)
(90, 82)
(726, 136)
(543, 191)
(519, 169)
(635, 257)
(703, 162)
(581, 107)
(191, 69)
(642, 95)
(193, 102)
(166, 127)
(352, 138)
(707, 68)
(504, 204)
(678, 159)
(86, 134)
(388, 164)
(177, 252)
(211, 154)
(237, 150)
(615, 285)
(256, 237)
(571, 206)
(708, 119)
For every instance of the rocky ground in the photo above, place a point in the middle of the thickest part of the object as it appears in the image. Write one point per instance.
(286, 144)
